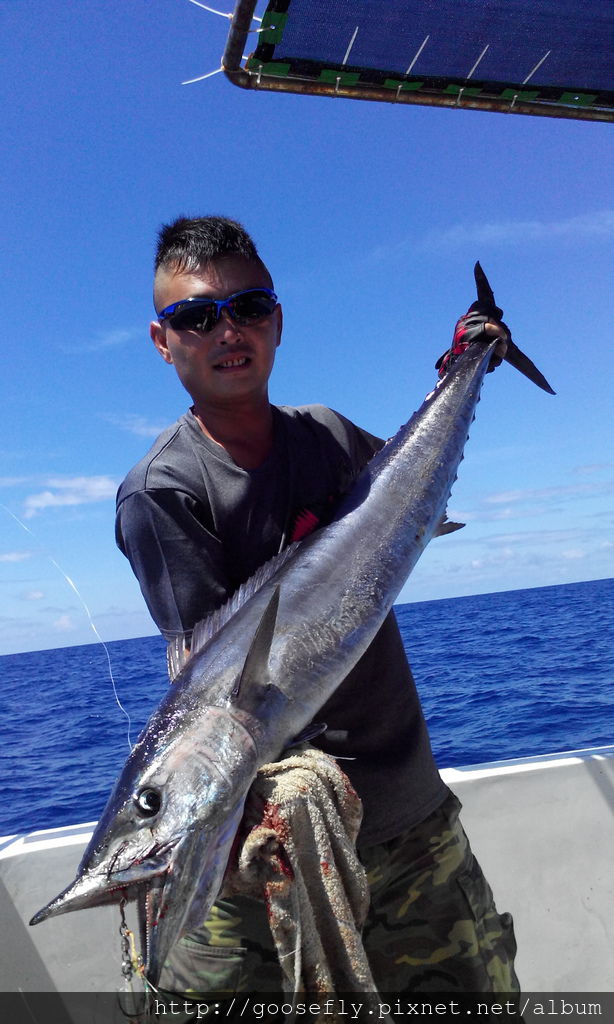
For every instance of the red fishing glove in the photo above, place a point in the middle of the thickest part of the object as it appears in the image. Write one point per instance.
(470, 328)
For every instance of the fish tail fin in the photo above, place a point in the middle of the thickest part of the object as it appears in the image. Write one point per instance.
(518, 359)
(514, 356)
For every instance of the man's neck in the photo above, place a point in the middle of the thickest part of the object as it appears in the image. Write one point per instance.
(245, 432)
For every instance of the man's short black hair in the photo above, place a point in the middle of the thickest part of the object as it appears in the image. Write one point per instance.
(192, 242)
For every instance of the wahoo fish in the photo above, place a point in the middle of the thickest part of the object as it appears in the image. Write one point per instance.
(262, 668)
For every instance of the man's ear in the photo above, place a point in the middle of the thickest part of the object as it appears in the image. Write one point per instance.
(158, 336)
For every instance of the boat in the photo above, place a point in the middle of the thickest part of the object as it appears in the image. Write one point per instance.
(542, 829)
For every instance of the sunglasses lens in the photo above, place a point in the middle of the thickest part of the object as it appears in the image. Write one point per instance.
(195, 318)
(252, 306)
(245, 307)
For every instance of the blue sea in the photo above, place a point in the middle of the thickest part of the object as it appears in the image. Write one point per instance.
(501, 675)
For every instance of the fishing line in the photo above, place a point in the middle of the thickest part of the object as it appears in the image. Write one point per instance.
(25, 1003)
(73, 586)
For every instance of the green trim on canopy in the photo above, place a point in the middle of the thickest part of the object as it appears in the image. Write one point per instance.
(547, 57)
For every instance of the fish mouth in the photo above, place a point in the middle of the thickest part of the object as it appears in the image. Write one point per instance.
(156, 888)
(100, 886)
(174, 889)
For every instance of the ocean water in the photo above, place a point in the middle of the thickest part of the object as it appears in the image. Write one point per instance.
(502, 675)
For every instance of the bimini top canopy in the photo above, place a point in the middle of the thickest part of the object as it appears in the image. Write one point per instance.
(548, 57)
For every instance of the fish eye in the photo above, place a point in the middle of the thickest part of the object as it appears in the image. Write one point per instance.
(148, 801)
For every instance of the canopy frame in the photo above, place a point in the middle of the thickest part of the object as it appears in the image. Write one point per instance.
(343, 80)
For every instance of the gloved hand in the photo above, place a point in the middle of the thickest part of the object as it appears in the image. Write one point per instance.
(481, 322)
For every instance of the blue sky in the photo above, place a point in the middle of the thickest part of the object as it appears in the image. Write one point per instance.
(370, 218)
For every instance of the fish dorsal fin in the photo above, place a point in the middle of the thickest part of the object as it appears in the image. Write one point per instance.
(208, 627)
(255, 669)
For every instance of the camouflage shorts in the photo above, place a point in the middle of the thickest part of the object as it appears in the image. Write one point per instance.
(432, 925)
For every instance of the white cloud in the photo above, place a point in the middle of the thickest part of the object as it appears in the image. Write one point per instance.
(135, 424)
(599, 224)
(597, 467)
(79, 490)
(514, 504)
(539, 494)
(64, 624)
(528, 540)
(104, 339)
(495, 560)
(33, 595)
(15, 556)
(13, 481)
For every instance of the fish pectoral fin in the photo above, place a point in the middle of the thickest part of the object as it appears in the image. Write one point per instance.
(310, 732)
(255, 669)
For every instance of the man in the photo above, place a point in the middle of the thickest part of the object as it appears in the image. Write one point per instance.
(223, 490)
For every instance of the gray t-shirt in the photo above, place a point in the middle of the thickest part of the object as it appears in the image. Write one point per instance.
(194, 526)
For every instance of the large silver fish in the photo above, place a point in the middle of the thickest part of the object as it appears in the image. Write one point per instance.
(269, 662)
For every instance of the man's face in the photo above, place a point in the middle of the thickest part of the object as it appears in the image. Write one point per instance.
(232, 362)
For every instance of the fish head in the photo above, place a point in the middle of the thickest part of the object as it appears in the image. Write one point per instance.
(165, 835)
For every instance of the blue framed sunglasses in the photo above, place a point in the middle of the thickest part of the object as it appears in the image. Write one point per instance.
(202, 314)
